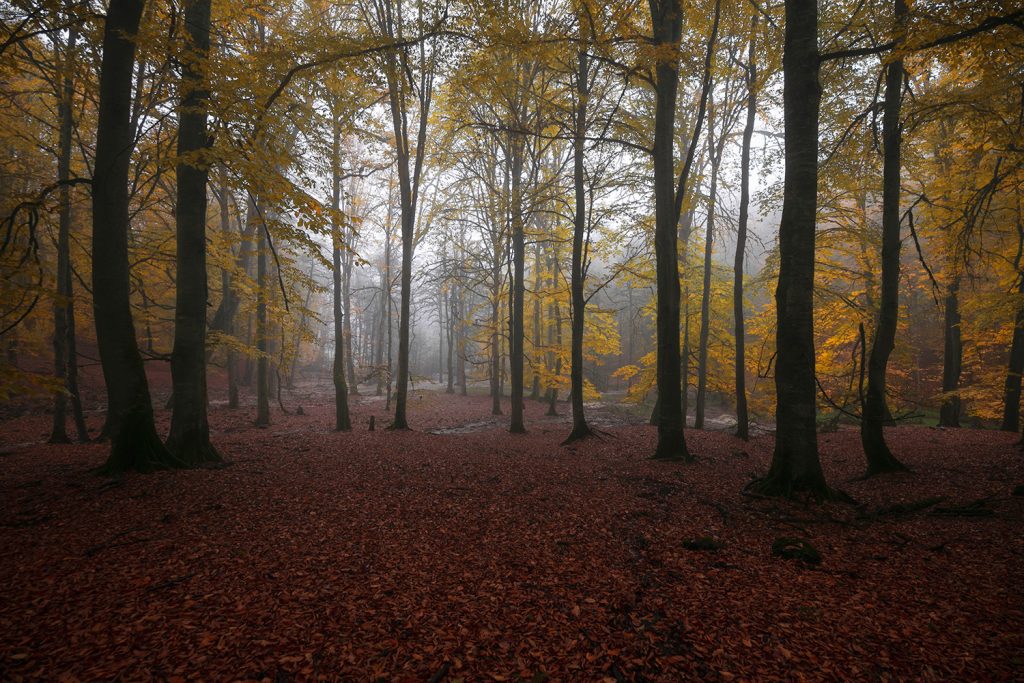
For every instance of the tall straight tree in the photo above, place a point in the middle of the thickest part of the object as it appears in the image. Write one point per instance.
(342, 421)
(666, 22)
(134, 441)
(189, 438)
(742, 415)
(404, 84)
(875, 412)
(795, 465)
(580, 428)
(64, 354)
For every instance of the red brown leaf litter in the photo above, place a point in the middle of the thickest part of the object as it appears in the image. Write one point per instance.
(479, 555)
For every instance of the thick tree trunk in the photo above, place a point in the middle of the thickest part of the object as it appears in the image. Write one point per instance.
(666, 21)
(795, 465)
(134, 441)
(875, 412)
(580, 428)
(742, 415)
(189, 438)
(952, 357)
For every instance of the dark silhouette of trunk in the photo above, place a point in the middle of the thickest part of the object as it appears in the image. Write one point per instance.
(262, 329)
(580, 428)
(516, 341)
(952, 357)
(134, 441)
(1011, 390)
(229, 300)
(64, 354)
(461, 332)
(742, 415)
(342, 422)
(875, 411)
(666, 21)
(189, 438)
(795, 465)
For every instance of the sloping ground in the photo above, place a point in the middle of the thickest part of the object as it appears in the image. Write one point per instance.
(486, 556)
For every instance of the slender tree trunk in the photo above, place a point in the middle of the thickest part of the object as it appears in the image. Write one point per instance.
(262, 332)
(342, 422)
(496, 333)
(64, 303)
(452, 337)
(189, 438)
(879, 458)
(516, 342)
(952, 357)
(795, 465)
(666, 20)
(538, 356)
(742, 415)
(580, 428)
(715, 154)
(134, 441)
(555, 337)
(346, 303)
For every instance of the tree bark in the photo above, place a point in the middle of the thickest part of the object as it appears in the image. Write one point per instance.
(795, 465)
(742, 414)
(952, 357)
(516, 342)
(715, 154)
(875, 412)
(262, 328)
(580, 428)
(666, 21)
(189, 438)
(342, 422)
(134, 441)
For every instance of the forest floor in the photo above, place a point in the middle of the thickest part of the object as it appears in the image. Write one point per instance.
(473, 554)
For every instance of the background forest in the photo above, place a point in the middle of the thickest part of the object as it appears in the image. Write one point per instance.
(483, 172)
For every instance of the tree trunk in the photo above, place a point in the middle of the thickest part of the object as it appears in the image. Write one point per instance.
(64, 306)
(580, 428)
(262, 331)
(952, 357)
(342, 422)
(715, 154)
(879, 458)
(189, 438)
(742, 416)
(795, 465)
(538, 355)
(1012, 387)
(666, 21)
(516, 342)
(134, 441)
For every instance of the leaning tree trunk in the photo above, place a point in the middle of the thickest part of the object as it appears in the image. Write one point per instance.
(134, 441)
(742, 415)
(795, 465)
(952, 357)
(580, 428)
(875, 412)
(189, 438)
(666, 22)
